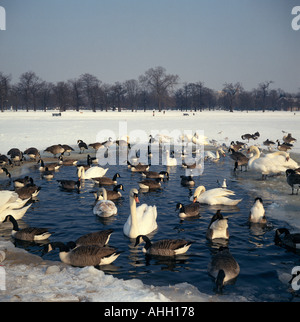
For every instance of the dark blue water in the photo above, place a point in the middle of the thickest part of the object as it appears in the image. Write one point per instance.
(69, 215)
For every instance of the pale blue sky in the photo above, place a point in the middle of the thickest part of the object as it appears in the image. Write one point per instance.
(214, 41)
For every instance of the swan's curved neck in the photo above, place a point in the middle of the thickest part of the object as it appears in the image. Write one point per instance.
(104, 194)
(255, 156)
(134, 223)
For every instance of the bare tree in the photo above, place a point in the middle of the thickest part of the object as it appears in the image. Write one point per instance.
(159, 82)
(230, 92)
(91, 89)
(4, 89)
(132, 91)
(62, 94)
(264, 88)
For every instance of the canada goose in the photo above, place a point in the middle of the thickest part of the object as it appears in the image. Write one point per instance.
(29, 233)
(164, 247)
(150, 184)
(21, 182)
(289, 139)
(293, 179)
(218, 227)
(93, 172)
(55, 149)
(105, 181)
(2, 256)
(236, 146)
(66, 148)
(288, 240)
(33, 153)
(115, 193)
(85, 255)
(96, 146)
(139, 167)
(16, 155)
(190, 210)
(247, 136)
(108, 142)
(82, 146)
(51, 166)
(155, 175)
(223, 267)
(4, 160)
(239, 158)
(29, 191)
(105, 208)
(187, 181)
(284, 146)
(67, 162)
(91, 160)
(141, 220)
(100, 238)
(69, 184)
(47, 174)
(215, 196)
(257, 212)
(268, 143)
(4, 170)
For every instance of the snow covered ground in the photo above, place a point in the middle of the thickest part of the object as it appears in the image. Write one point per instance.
(29, 278)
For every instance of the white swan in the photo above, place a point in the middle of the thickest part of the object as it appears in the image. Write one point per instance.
(216, 196)
(93, 172)
(257, 212)
(209, 155)
(105, 208)
(168, 161)
(272, 163)
(142, 220)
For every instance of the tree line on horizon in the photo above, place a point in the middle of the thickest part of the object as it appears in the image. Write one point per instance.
(155, 89)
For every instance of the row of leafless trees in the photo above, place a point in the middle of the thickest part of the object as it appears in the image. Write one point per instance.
(155, 89)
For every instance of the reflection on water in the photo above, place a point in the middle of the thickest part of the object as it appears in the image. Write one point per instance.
(69, 215)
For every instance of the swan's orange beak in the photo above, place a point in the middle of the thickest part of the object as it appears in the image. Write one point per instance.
(136, 199)
(195, 199)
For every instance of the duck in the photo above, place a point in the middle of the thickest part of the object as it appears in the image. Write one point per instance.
(55, 149)
(187, 181)
(288, 240)
(82, 146)
(215, 196)
(100, 238)
(142, 219)
(293, 179)
(51, 166)
(164, 247)
(223, 267)
(93, 172)
(150, 184)
(257, 212)
(190, 210)
(169, 161)
(33, 153)
(69, 184)
(138, 167)
(218, 227)
(105, 181)
(29, 233)
(105, 208)
(84, 255)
